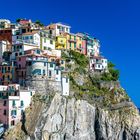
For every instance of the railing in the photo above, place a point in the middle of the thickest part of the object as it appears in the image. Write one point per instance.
(36, 59)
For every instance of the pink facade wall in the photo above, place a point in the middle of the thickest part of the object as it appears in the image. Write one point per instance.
(4, 118)
(84, 46)
(21, 61)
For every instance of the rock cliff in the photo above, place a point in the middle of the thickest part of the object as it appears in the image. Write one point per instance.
(61, 118)
(98, 108)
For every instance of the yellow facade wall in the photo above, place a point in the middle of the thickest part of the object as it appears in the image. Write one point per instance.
(61, 42)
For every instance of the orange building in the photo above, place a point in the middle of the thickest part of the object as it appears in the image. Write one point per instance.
(7, 74)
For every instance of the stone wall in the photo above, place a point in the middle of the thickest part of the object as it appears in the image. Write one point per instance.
(43, 85)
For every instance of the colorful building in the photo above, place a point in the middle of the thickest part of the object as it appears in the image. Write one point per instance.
(7, 74)
(57, 29)
(31, 38)
(98, 64)
(13, 102)
(92, 45)
(61, 43)
(71, 41)
(19, 48)
(47, 43)
(6, 35)
(4, 23)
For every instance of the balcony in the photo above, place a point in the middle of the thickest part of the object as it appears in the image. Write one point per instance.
(37, 59)
(72, 40)
(14, 98)
(60, 43)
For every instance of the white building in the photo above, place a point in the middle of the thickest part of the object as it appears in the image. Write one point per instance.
(4, 23)
(13, 102)
(96, 48)
(55, 53)
(98, 64)
(65, 86)
(57, 28)
(47, 43)
(19, 48)
(31, 37)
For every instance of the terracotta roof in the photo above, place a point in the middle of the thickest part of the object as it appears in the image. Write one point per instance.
(97, 57)
(32, 54)
(30, 33)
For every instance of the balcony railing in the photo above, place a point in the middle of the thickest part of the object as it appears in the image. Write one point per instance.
(36, 59)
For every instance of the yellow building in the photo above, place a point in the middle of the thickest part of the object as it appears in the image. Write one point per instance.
(61, 42)
(79, 44)
(71, 41)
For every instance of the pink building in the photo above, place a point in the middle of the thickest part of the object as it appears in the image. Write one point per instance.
(21, 64)
(13, 102)
(81, 43)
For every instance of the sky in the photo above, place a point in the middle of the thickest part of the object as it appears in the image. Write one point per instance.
(116, 23)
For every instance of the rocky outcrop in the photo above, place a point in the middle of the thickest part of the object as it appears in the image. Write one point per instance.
(70, 119)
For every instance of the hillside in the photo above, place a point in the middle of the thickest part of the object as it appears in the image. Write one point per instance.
(98, 108)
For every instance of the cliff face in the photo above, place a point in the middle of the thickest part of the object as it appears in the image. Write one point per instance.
(98, 108)
(62, 118)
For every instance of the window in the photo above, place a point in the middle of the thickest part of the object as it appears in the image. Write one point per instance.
(20, 53)
(62, 28)
(58, 27)
(74, 45)
(13, 112)
(29, 63)
(14, 103)
(26, 37)
(66, 80)
(51, 41)
(44, 40)
(62, 61)
(50, 31)
(22, 112)
(31, 37)
(51, 65)
(8, 77)
(3, 77)
(4, 112)
(70, 45)
(45, 48)
(12, 123)
(50, 73)
(57, 72)
(44, 72)
(16, 54)
(21, 103)
(74, 37)
(4, 104)
(45, 64)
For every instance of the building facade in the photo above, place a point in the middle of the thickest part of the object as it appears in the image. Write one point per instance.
(13, 102)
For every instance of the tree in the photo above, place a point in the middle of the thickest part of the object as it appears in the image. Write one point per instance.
(39, 23)
(18, 20)
(112, 75)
